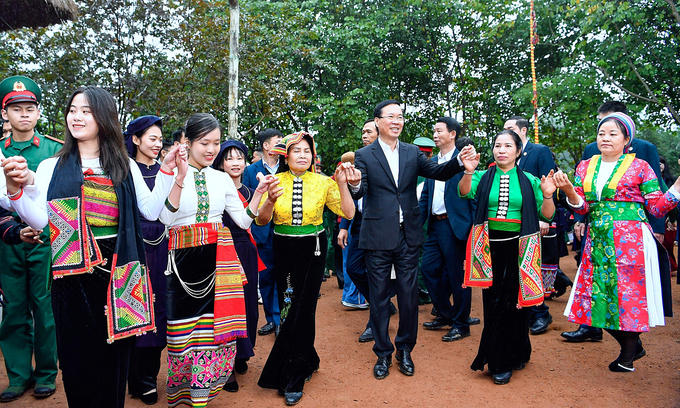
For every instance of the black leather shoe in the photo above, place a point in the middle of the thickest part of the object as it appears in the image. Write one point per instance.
(423, 297)
(266, 329)
(502, 378)
(583, 333)
(406, 365)
(439, 322)
(621, 367)
(473, 321)
(393, 309)
(231, 386)
(455, 334)
(541, 325)
(46, 390)
(434, 312)
(241, 366)
(562, 282)
(292, 398)
(366, 336)
(152, 397)
(382, 367)
(519, 366)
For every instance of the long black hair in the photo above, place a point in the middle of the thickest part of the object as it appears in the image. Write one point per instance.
(112, 152)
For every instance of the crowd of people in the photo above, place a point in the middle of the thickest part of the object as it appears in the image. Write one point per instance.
(118, 244)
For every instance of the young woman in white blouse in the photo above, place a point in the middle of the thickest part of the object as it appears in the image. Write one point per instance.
(205, 309)
(91, 195)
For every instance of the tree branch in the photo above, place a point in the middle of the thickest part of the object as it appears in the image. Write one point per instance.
(674, 10)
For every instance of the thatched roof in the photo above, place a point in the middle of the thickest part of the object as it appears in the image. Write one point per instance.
(16, 14)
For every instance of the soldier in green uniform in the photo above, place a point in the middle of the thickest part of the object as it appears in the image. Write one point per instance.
(28, 323)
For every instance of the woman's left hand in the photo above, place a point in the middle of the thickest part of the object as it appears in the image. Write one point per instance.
(548, 184)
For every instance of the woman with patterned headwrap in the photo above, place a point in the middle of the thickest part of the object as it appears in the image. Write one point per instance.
(619, 286)
(299, 256)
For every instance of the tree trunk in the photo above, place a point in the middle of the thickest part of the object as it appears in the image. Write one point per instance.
(234, 16)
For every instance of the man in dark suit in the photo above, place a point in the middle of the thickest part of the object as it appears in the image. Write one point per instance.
(264, 235)
(643, 150)
(449, 219)
(537, 159)
(391, 233)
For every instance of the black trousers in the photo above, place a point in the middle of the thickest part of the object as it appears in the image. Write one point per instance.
(442, 268)
(94, 372)
(379, 265)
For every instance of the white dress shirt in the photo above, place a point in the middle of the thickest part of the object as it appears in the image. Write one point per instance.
(438, 205)
(392, 157)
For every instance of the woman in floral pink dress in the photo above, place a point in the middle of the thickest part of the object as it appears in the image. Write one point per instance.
(618, 286)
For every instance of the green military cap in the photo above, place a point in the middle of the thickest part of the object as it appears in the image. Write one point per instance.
(424, 143)
(19, 89)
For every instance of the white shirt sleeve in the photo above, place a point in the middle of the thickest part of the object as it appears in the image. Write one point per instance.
(33, 209)
(150, 203)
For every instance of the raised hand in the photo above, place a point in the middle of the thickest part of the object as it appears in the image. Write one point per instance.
(352, 174)
(182, 162)
(469, 157)
(270, 184)
(548, 184)
(562, 182)
(171, 159)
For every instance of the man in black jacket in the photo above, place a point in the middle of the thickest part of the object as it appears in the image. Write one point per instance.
(391, 232)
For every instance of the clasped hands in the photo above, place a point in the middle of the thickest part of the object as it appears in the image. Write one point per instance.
(17, 174)
(269, 184)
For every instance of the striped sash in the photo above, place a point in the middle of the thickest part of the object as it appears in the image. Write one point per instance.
(230, 307)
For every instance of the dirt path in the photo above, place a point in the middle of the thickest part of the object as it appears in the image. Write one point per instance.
(560, 374)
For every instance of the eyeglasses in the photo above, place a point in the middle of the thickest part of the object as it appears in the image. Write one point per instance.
(393, 118)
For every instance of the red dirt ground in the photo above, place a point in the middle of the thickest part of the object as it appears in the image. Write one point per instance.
(560, 374)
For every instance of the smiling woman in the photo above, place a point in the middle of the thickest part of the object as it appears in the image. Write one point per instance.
(205, 295)
(92, 196)
(299, 256)
(143, 139)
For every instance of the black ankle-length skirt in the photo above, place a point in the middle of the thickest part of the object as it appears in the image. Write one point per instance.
(293, 357)
(505, 337)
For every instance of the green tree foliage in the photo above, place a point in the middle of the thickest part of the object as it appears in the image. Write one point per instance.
(322, 65)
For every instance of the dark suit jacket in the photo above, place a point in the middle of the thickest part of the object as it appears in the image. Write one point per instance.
(537, 160)
(353, 225)
(645, 151)
(461, 211)
(260, 234)
(380, 225)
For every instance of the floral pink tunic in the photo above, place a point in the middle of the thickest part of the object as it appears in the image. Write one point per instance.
(611, 291)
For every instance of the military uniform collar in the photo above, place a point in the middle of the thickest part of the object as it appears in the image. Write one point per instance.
(35, 141)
